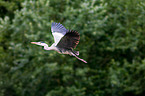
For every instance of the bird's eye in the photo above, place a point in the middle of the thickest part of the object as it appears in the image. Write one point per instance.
(41, 42)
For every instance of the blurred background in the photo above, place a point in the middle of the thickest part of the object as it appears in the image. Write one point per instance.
(112, 42)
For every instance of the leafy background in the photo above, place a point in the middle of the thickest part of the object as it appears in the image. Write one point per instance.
(112, 42)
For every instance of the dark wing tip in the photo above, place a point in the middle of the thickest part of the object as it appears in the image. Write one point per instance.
(69, 40)
(73, 33)
(74, 36)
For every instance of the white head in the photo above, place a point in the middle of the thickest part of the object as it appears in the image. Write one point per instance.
(40, 43)
(45, 45)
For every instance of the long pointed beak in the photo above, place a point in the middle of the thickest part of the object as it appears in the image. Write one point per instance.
(34, 42)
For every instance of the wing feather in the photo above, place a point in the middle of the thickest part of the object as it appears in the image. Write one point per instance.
(69, 40)
(58, 31)
(59, 28)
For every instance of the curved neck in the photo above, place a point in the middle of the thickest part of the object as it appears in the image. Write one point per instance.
(46, 47)
(49, 48)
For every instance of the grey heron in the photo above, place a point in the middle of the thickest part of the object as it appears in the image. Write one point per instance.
(64, 40)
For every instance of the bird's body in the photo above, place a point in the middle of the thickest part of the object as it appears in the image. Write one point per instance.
(64, 40)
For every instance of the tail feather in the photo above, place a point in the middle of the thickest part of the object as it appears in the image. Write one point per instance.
(78, 57)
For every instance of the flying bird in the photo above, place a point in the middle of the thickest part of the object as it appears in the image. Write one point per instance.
(64, 40)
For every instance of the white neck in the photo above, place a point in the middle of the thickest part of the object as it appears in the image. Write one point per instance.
(49, 48)
(46, 47)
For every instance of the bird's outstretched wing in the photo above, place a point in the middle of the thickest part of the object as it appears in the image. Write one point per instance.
(58, 31)
(70, 40)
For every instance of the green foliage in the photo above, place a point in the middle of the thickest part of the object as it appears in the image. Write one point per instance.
(7, 7)
(112, 42)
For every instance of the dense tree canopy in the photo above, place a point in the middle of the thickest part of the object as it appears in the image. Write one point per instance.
(112, 41)
(7, 7)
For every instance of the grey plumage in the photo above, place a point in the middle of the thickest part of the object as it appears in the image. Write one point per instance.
(59, 28)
